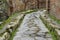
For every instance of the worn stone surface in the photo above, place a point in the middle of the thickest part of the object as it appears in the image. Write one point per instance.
(32, 28)
(12, 23)
(10, 27)
(52, 25)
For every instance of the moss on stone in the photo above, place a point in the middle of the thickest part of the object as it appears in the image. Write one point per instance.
(51, 29)
(54, 18)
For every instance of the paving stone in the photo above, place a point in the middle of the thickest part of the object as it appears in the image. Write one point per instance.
(32, 28)
(40, 38)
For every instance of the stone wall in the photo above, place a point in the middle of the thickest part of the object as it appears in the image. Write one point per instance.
(19, 5)
(55, 8)
(51, 25)
(30, 4)
(35, 4)
(3, 10)
(11, 27)
(42, 3)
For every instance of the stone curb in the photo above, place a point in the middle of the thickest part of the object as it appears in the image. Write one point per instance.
(11, 27)
(51, 24)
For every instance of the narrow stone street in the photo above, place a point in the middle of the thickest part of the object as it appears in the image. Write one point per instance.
(32, 28)
(29, 20)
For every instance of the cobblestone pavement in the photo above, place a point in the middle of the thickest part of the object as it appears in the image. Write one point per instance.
(32, 28)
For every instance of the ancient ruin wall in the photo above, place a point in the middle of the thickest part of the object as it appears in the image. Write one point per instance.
(55, 8)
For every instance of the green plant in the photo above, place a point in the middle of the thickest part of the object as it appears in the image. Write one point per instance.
(54, 18)
(14, 32)
(51, 29)
(7, 21)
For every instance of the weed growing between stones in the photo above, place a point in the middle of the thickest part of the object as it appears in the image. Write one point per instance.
(54, 18)
(14, 32)
(51, 29)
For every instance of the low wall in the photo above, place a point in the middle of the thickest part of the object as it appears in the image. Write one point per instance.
(51, 25)
(11, 27)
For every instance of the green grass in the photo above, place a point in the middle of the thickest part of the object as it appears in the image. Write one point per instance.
(15, 14)
(12, 35)
(14, 32)
(54, 18)
(30, 11)
(51, 29)
(7, 21)
(52, 32)
(10, 18)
